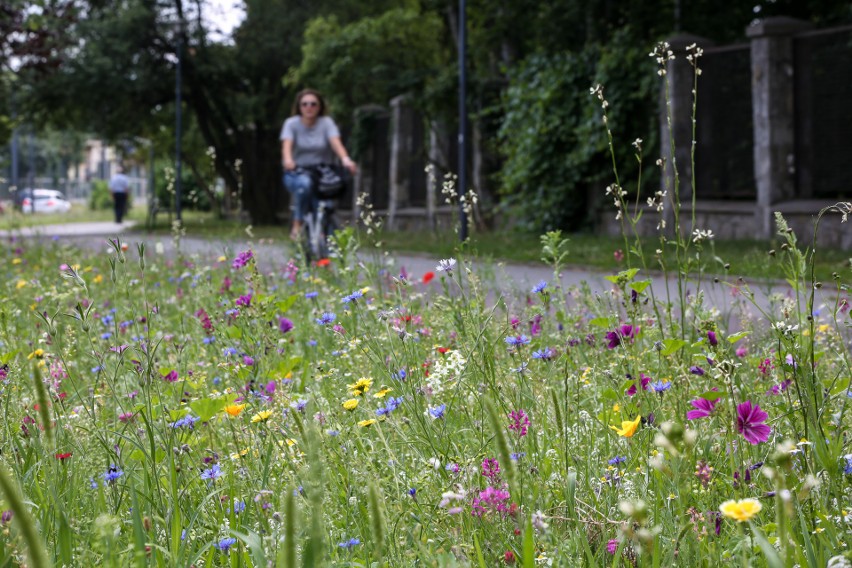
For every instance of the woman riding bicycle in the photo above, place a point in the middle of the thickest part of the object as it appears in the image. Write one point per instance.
(308, 138)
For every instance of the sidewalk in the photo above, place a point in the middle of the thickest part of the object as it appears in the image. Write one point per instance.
(508, 278)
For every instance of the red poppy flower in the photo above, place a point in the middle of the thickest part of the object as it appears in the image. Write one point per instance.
(324, 262)
(428, 277)
(443, 350)
(63, 457)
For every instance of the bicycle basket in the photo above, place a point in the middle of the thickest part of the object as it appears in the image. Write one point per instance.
(330, 183)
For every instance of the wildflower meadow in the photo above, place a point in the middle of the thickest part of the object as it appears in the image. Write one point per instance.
(206, 410)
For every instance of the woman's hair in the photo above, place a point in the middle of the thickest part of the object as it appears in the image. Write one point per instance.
(297, 108)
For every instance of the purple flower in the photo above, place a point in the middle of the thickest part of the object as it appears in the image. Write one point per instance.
(244, 300)
(711, 337)
(284, 325)
(696, 370)
(779, 388)
(703, 408)
(171, 376)
(618, 336)
(248, 361)
(491, 469)
(789, 360)
(242, 259)
(349, 543)
(750, 423)
(643, 381)
(112, 474)
(438, 412)
(514, 341)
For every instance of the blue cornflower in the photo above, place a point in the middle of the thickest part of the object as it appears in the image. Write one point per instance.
(112, 474)
(515, 456)
(239, 507)
(212, 474)
(332, 433)
(393, 403)
(228, 351)
(310, 295)
(545, 354)
(617, 460)
(401, 374)
(353, 296)
(521, 369)
(187, 421)
(660, 386)
(848, 469)
(312, 342)
(437, 412)
(106, 335)
(299, 405)
(349, 543)
(326, 318)
(208, 340)
(106, 320)
(225, 544)
(97, 369)
(413, 492)
(517, 340)
(539, 288)
(92, 483)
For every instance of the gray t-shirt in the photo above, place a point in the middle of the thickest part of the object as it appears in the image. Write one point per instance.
(310, 144)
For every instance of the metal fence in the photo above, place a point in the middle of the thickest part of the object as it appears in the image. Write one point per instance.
(823, 93)
(724, 159)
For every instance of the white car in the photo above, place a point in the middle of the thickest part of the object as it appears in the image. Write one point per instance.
(45, 201)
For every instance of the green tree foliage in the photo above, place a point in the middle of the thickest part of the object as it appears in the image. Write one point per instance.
(551, 137)
(372, 59)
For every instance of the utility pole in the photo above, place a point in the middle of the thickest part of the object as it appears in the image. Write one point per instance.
(178, 133)
(462, 181)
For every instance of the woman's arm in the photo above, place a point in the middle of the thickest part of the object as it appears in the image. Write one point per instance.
(340, 152)
(287, 154)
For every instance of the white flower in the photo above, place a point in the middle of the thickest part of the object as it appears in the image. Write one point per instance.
(446, 265)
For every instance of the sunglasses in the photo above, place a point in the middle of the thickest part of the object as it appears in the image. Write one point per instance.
(309, 103)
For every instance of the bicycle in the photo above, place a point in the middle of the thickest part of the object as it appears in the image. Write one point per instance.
(320, 222)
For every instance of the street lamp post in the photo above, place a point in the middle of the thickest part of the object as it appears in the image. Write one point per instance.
(178, 105)
(462, 181)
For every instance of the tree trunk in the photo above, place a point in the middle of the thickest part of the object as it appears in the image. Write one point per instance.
(263, 194)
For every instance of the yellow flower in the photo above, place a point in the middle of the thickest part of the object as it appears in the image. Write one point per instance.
(238, 455)
(365, 423)
(98, 279)
(37, 354)
(261, 416)
(628, 427)
(742, 510)
(616, 407)
(383, 392)
(361, 386)
(16, 261)
(235, 409)
(351, 404)
(221, 259)
(20, 284)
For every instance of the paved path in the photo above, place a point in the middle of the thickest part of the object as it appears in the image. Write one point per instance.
(508, 277)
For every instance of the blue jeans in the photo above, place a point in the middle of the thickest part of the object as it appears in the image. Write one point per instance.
(300, 185)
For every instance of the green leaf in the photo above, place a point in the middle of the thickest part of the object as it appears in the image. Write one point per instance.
(712, 395)
(602, 322)
(286, 303)
(609, 394)
(529, 546)
(733, 338)
(178, 413)
(254, 544)
(671, 346)
(640, 286)
(234, 332)
(772, 558)
(207, 408)
(287, 366)
(6, 358)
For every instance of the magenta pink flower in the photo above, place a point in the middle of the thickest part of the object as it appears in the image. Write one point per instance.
(703, 408)
(750, 423)
(491, 469)
(618, 336)
(490, 501)
(520, 422)
(643, 380)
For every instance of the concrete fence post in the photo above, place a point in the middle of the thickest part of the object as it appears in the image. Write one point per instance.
(772, 86)
(401, 147)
